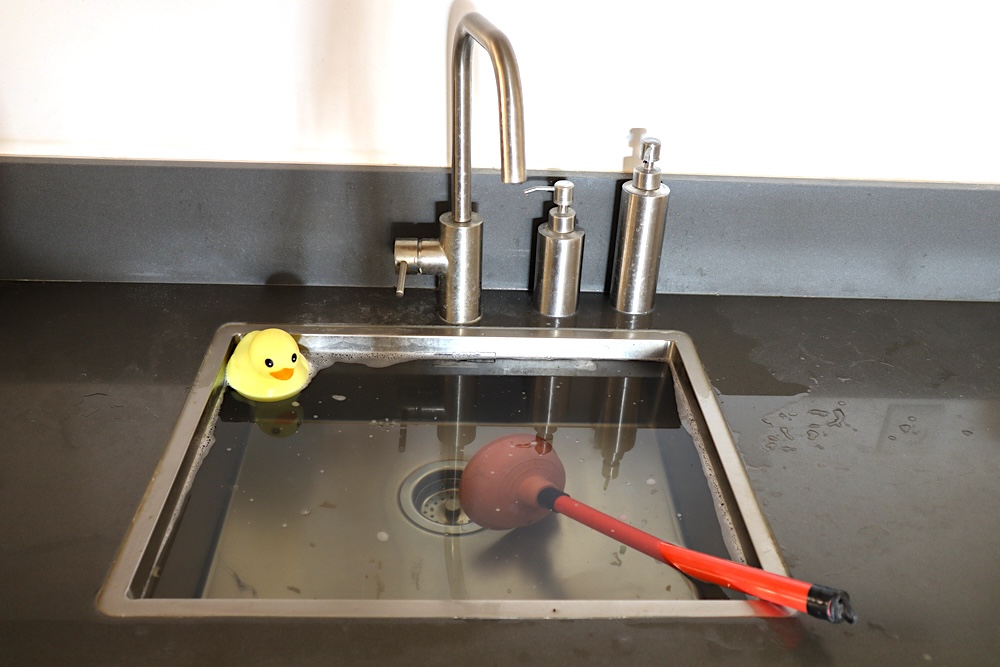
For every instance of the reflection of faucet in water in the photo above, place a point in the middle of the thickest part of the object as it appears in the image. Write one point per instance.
(456, 257)
(458, 427)
(453, 410)
(622, 416)
(549, 402)
(618, 427)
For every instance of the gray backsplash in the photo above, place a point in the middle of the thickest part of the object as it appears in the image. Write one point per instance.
(135, 221)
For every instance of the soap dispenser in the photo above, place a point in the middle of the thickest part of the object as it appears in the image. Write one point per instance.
(642, 216)
(558, 254)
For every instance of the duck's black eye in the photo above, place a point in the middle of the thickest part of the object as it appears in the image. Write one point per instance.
(295, 357)
(268, 363)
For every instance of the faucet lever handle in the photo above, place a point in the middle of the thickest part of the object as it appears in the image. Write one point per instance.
(417, 256)
(400, 277)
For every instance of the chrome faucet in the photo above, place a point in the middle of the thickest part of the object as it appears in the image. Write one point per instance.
(456, 256)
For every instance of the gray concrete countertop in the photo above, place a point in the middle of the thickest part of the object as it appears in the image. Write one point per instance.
(871, 430)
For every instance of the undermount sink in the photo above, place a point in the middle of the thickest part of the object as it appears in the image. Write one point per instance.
(342, 501)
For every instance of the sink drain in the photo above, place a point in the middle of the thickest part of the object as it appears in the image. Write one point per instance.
(429, 498)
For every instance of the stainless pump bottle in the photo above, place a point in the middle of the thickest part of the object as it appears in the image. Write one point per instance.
(558, 254)
(641, 219)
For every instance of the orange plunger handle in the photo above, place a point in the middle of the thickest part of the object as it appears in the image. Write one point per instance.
(826, 603)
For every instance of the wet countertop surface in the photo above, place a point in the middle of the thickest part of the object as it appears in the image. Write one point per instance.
(871, 431)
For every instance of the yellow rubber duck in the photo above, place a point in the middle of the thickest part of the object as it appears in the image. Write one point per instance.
(267, 366)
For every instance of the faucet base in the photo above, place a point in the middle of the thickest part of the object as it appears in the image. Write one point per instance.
(459, 288)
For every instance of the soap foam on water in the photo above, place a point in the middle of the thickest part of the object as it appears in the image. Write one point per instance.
(319, 361)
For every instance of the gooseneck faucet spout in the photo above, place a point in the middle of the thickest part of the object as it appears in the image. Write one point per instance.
(456, 257)
(475, 27)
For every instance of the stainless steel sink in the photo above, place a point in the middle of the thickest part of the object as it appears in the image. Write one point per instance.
(342, 501)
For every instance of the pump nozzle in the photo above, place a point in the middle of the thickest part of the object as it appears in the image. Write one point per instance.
(650, 152)
(647, 176)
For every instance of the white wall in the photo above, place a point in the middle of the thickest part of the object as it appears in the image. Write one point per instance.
(868, 89)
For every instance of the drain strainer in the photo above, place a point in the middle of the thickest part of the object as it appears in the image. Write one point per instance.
(429, 498)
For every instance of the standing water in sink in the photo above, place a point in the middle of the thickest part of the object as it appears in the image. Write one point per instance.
(349, 491)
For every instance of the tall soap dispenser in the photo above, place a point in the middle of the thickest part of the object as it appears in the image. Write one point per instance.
(558, 254)
(641, 219)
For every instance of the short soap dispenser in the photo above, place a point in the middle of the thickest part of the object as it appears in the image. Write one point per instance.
(558, 254)
(641, 219)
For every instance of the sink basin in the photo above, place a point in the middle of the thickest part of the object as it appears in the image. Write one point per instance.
(342, 502)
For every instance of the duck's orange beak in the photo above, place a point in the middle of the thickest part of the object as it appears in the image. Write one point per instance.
(283, 374)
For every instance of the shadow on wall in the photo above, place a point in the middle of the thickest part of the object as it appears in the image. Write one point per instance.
(630, 162)
(339, 105)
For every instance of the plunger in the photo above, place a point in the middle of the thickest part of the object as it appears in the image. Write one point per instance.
(516, 480)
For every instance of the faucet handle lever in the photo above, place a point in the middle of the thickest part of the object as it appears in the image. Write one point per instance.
(400, 277)
(406, 256)
(417, 256)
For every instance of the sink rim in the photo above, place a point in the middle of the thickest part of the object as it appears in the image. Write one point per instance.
(657, 345)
